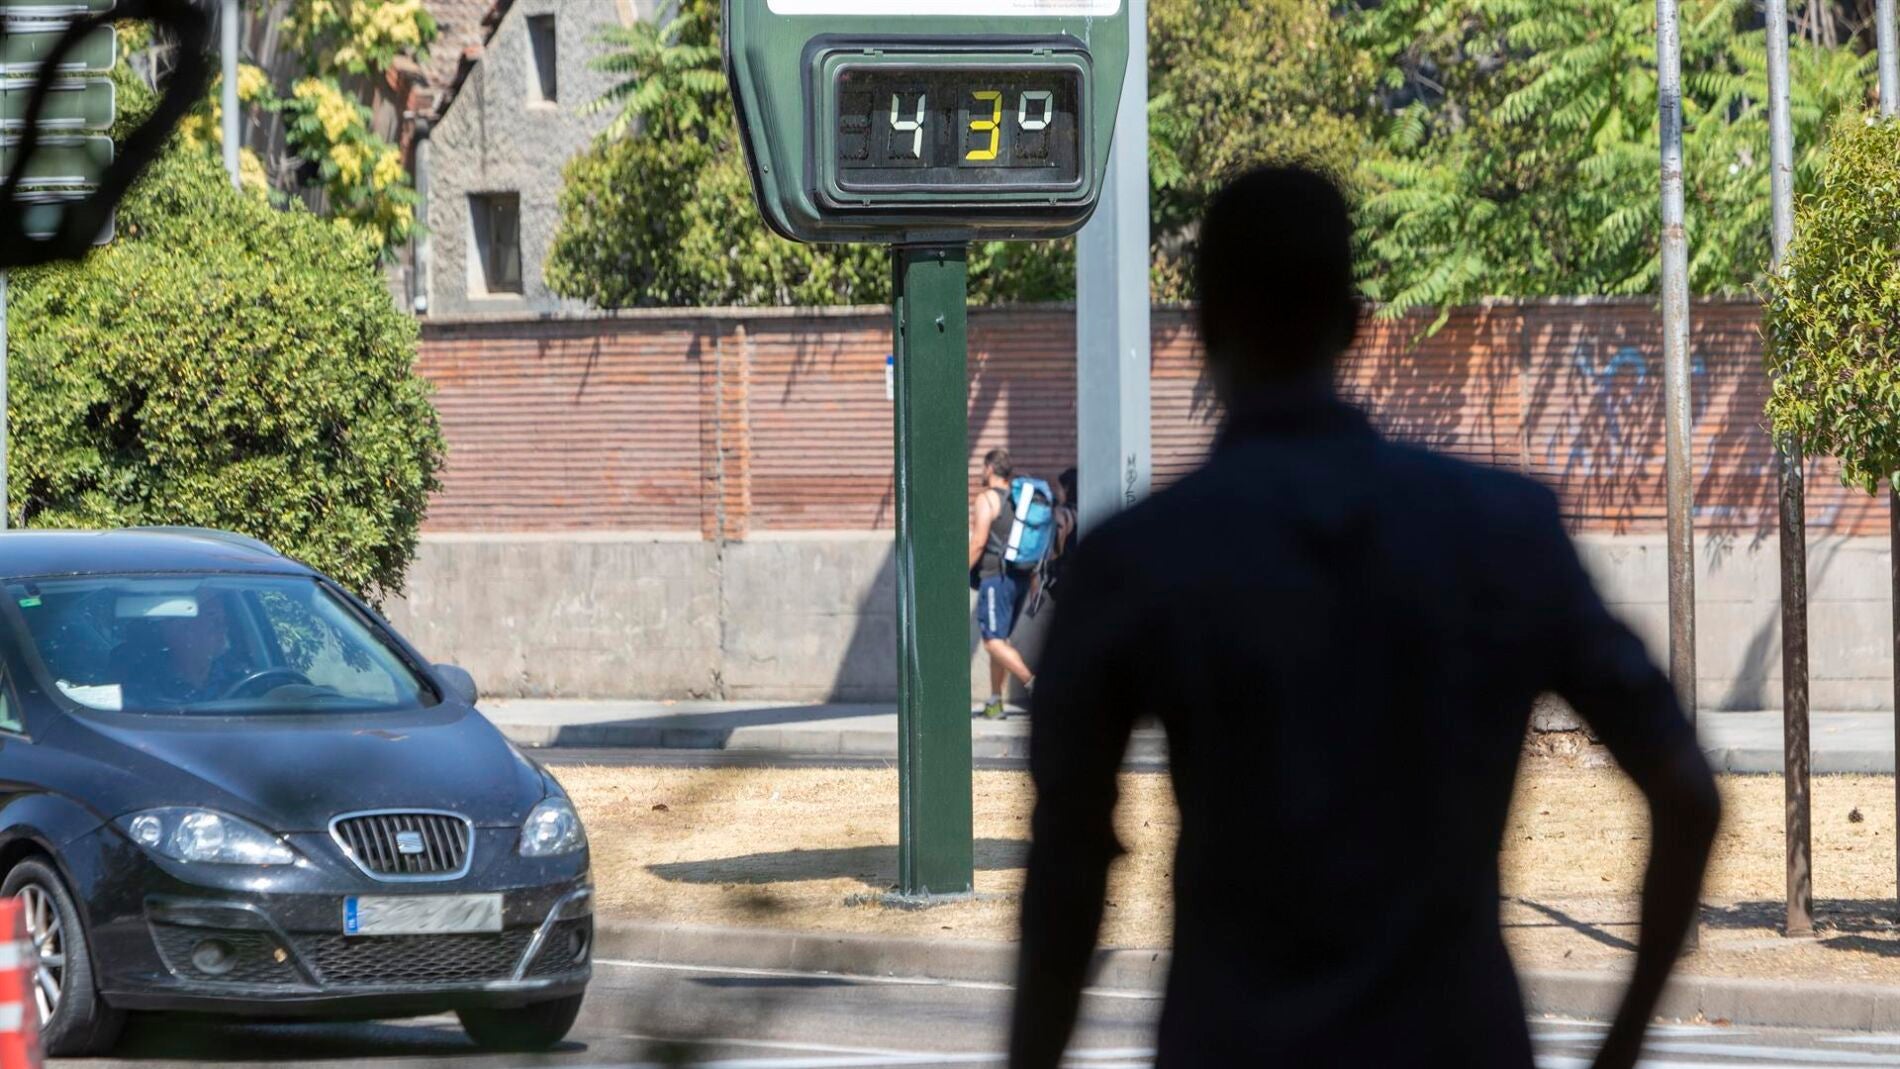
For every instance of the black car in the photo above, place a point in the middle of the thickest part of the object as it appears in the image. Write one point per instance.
(227, 786)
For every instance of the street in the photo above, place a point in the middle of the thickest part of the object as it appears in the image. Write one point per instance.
(641, 1014)
(549, 530)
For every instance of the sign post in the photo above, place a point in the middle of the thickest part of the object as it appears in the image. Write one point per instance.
(1113, 403)
(929, 286)
(926, 125)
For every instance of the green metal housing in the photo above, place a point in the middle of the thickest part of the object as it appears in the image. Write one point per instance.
(783, 66)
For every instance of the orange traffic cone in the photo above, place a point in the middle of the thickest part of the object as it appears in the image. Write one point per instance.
(19, 1012)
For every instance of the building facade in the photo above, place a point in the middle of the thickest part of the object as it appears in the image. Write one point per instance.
(516, 111)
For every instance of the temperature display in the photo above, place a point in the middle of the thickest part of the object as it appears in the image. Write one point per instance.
(950, 130)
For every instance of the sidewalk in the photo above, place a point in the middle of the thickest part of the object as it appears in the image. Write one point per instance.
(768, 727)
(1734, 742)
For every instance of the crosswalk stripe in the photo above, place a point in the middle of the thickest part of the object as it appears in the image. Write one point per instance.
(1565, 1061)
(1751, 1052)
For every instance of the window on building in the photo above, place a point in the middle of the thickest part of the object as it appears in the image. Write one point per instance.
(496, 221)
(545, 81)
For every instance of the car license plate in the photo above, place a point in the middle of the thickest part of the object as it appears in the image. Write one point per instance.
(421, 914)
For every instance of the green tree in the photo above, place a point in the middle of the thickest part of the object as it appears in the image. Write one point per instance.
(1235, 83)
(1833, 354)
(224, 364)
(1518, 153)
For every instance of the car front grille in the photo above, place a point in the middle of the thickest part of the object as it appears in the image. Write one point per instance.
(243, 957)
(406, 845)
(406, 960)
(258, 959)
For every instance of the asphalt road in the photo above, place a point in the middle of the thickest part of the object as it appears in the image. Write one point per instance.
(641, 1015)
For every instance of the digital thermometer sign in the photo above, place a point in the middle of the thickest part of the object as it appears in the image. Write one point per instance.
(959, 130)
(913, 122)
(985, 132)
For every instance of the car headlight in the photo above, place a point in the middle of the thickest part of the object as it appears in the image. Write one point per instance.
(552, 828)
(202, 835)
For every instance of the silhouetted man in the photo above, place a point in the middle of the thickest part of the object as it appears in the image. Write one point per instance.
(1345, 667)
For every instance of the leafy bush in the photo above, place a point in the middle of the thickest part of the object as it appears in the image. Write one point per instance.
(1833, 352)
(224, 364)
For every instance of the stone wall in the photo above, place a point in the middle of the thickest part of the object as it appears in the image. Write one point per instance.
(496, 137)
(812, 617)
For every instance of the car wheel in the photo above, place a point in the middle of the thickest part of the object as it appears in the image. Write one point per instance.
(523, 1028)
(74, 1020)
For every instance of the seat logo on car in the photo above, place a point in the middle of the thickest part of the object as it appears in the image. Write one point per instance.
(409, 842)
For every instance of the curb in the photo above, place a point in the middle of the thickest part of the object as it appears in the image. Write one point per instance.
(1580, 995)
(1145, 747)
(894, 957)
(1822, 761)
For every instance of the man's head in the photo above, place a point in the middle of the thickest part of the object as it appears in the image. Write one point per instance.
(1275, 279)
(1065, 487)
(998, 467)
(202, 637)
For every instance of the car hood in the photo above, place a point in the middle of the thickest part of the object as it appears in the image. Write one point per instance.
(294, 773)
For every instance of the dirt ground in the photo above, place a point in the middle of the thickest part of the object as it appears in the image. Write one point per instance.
(812, 848)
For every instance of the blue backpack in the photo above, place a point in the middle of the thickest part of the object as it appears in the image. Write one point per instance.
(1033, 534)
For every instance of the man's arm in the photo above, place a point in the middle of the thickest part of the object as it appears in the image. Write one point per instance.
(1602, 670)
(982, 514)
(1084, 708)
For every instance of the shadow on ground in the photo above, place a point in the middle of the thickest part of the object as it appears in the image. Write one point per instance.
(702, 730)
(1871, 926)
(874, 866)
(166, 1037)
(1549, 916)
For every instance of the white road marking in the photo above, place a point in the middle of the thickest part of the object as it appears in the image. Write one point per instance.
(890, 981)
(853, 1061)
(1694, 1040)
(768, 1044)
(843, 1057)
(1565, 1061)
(884, 1060)
(1751, 1052)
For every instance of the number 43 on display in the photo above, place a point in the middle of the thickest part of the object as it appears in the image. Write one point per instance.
(1035, 109)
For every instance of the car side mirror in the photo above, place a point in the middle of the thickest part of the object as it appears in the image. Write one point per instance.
(457, 684)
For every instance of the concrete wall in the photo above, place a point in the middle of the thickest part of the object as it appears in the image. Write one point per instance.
(811, 617)
(496, 137)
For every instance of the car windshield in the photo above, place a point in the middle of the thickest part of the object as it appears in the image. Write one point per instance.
(222, 644)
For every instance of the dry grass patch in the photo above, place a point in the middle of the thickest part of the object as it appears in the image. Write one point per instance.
(787, 848)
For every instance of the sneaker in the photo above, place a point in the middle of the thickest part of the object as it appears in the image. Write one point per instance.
(994, 710)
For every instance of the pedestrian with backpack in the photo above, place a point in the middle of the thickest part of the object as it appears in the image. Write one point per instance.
(1012, 528)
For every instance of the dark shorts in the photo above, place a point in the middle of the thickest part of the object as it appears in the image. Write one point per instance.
(999, 599)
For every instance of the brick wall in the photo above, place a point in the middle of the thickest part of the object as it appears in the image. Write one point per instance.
(727, 423)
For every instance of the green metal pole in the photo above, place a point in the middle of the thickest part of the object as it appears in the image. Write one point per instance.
(930, 288)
